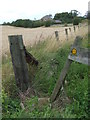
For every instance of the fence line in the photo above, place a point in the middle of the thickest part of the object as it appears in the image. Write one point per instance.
(70, 31)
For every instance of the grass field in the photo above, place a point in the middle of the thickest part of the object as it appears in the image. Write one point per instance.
(51, 55)
(32, 36)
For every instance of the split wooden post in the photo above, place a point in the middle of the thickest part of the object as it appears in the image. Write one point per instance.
(66, 31)
(63, 74)
(56, 35)
(19, 62)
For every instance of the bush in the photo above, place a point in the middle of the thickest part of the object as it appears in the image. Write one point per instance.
(65, 24)
(76, 21)
(47, 23)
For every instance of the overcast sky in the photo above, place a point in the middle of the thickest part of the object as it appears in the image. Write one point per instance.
(11, 10)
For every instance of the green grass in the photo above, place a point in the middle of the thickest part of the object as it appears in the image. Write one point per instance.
(85, 41)
(44, 78)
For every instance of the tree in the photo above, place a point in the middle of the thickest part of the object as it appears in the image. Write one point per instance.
(87, 15)
(47, 23)
(75, 13)
(76, 21)
(65, 17)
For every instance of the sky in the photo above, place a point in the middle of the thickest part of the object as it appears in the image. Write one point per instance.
(11, 10)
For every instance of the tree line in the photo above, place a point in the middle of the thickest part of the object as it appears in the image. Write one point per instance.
(26, 23)
(64, 17)
(72, 17)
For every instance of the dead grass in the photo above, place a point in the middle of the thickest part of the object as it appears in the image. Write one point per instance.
(32, 36)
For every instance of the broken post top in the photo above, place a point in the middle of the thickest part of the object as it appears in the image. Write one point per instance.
(19, 62)
(78, 53)
(77, 41)
(75, 48)
(16, 39)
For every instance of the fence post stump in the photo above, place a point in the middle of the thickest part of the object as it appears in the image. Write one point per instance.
(56, 35)
(19, 62)
(66, 31)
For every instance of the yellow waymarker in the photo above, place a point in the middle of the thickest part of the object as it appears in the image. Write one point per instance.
(74, 51)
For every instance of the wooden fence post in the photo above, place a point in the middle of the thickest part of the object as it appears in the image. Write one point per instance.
(61, 80)
(74, 28)
(56, 35)
(19, 62)
(66, 31)
(64, 72)
(78, 26)
(70, 29)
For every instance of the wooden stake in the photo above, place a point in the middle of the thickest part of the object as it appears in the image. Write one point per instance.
(61, 80)
(57, 36)
(19, 62)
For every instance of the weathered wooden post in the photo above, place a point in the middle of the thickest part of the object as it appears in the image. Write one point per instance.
(19, 62)
(70, 29)
(64, 72)
(61, 80)
(74, 28)
(66, 31)
(78, 26)
(56, 35)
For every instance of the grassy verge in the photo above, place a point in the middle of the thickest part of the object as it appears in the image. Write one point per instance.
(51, 57)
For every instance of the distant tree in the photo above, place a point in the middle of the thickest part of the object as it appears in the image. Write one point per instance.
(8, 23)
(75, 13)
(87, 15)
(4, 23)
(76, 21)
(47, 23)
(22, 23)
(65, 17)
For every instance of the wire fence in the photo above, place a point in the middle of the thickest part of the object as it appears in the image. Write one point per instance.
(72, 31)
(62, 35)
